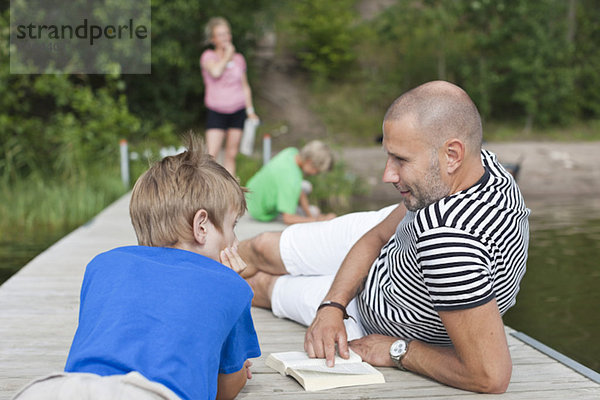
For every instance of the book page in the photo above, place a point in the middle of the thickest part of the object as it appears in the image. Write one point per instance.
(339, 368)
(299, 359)
(314, 374)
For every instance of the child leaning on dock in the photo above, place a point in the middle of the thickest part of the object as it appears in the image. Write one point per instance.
(169, 318)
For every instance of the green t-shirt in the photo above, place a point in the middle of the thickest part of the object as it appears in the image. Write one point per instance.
(276, 187)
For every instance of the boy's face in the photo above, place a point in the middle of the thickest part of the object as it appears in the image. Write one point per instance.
(218, 240)
(309, 169)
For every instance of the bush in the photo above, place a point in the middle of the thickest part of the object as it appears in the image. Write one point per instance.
(324, 37)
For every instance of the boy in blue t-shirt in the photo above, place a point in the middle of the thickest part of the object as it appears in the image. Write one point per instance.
(170, 316)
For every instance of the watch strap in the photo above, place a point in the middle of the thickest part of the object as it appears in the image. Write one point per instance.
(339, 306)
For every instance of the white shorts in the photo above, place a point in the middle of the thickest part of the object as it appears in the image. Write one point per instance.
(312, 253)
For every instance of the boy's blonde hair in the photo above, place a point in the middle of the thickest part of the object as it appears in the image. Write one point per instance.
(210, 26)
(319, 154)
(168, 195)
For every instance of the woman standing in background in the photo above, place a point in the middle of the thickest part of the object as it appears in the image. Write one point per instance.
(228, 97)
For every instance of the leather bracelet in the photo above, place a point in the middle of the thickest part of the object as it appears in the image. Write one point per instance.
(339, 306)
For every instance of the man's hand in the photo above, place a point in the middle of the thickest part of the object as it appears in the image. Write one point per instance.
(230, 258)
(326, 330)
(374, 349)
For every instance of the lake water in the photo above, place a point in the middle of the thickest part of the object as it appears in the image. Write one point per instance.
(559, 300)
(17, 249)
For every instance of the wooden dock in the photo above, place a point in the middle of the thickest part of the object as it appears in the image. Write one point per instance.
(39, 308)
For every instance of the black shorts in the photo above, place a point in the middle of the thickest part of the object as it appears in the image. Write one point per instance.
(217, 120)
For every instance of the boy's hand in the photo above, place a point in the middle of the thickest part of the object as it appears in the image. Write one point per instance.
(231, 258)
(326, 217)
(247, 366)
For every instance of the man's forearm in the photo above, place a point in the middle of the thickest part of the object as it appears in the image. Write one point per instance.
(479, 360)
(444, 365)
(327, 329)
(355, 267)
(354, 270)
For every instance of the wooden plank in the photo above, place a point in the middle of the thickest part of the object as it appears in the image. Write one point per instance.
(38, 317)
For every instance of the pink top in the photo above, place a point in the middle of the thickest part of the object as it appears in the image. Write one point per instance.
(224, 94)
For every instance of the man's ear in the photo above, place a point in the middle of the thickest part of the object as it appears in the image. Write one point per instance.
(200, 226)
(455, 154)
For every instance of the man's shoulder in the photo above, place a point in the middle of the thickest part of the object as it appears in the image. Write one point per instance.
(474, 210)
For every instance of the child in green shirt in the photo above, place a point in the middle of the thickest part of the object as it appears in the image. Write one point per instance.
(277, 187)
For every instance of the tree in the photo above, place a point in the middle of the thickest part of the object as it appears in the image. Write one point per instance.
(324, 36)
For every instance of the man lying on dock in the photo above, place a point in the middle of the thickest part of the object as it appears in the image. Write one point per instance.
(426, 282)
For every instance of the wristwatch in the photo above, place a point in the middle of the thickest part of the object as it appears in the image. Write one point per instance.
(398, 350)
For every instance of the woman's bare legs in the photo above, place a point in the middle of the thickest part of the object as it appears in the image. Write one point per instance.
(214, 141)
(232, 145)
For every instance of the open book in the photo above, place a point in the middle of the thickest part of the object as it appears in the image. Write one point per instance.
(313, 374)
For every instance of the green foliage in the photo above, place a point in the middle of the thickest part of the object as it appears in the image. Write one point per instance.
(353, 110)
(37, 203)
(516, 59)
(324, 36)
(586, 62)
(174, 91)
(333, 191)
(63, 125)
(418, 41)
(246, 167)
(521, 60)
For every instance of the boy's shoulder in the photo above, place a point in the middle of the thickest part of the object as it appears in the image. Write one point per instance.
(286, 156)
(160, 267)
(162, 260)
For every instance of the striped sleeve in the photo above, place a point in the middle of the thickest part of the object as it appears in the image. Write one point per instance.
(456, 268)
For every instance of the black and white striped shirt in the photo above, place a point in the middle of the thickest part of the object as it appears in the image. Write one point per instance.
(458, 253)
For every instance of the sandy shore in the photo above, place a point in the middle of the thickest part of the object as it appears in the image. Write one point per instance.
(548, 169)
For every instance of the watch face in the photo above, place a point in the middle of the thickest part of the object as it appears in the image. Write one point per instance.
(398, 348)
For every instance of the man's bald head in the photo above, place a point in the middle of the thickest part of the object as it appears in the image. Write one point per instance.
(440, 111)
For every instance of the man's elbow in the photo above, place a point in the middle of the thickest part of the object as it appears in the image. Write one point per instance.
(495, 381)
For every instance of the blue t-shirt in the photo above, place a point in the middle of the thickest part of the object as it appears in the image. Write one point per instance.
(177, 317)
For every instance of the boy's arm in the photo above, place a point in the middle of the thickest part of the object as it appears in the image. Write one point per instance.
(229, 385)
(304, 205)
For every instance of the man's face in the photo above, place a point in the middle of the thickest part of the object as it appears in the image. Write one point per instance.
(412, 165)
